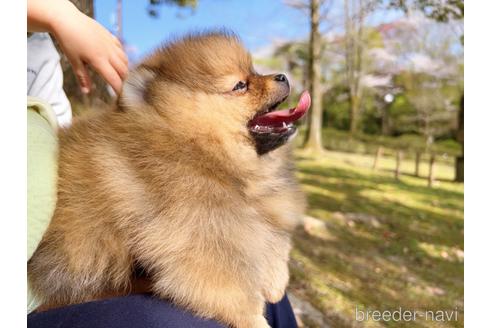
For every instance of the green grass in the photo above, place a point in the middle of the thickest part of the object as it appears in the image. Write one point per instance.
(406, 251)
(334, 139)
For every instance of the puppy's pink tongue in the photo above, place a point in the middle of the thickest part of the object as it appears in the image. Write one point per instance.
(286, 116)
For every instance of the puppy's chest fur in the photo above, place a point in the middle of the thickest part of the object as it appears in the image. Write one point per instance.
(200, 221)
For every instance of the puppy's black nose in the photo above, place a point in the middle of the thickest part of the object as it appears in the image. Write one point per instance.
(281, 78)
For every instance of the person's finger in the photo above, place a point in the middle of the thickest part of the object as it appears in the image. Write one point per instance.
(82, 76)
(122, 55)
(120, 66)
(109, 74)
(117, 42)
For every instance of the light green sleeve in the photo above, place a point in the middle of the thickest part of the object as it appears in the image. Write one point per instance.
(42, 153)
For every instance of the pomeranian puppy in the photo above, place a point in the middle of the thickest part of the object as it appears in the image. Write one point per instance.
(186, 178)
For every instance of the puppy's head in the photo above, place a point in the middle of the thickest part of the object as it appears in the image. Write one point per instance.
(205, 84)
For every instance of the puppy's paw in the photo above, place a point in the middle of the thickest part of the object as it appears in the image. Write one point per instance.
(275, 285)
(273, 295)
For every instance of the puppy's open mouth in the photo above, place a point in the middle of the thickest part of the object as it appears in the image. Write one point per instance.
(271, 128)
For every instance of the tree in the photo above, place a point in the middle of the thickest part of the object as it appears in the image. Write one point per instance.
(430, 74)
(442, 11)
(153, 4)
(317, 10)
(460, 137)
(313, 139)
(352, 64)
(434, 114)
(355, 12)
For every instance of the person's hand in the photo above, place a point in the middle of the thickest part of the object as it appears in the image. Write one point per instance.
(82, 39)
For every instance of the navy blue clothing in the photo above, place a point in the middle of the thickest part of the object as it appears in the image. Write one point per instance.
(142, 311)
(280, 315)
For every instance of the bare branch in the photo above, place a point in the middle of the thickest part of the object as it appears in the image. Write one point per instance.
(298, 4)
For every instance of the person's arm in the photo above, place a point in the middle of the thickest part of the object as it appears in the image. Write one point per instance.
(82, 39)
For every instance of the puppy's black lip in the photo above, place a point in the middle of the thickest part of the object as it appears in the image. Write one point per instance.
(268, 141)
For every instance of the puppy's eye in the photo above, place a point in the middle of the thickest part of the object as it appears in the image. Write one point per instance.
(241, 85)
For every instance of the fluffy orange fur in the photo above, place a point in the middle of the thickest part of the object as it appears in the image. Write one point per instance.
(170, 181)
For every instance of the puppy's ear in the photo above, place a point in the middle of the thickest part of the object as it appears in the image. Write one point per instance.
(135, 88)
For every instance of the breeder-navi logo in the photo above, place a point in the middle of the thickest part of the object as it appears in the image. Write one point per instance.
(405, 315)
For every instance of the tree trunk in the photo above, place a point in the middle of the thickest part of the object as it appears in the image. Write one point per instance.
(385, 126)
(99, 91)
(417, 163)
(119, 22)
(354, 114)
(399, 156)
(430, 178)
(460, 169)
(379, 153)
(313, 135)
(354, 30)
(460, 137)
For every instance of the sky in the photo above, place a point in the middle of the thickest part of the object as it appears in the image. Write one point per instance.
(259, 23)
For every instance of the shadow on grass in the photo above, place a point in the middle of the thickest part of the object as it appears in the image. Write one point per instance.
(376, 179)
(403, 261)
(422, 177)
